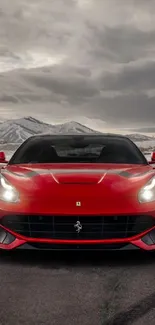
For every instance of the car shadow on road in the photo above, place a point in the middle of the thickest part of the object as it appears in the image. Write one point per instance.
(48, 259)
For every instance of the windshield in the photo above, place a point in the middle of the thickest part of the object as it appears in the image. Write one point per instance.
(69, 150)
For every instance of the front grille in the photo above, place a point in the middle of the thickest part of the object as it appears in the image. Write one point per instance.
(63, 227)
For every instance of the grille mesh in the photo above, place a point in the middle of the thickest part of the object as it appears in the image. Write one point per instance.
(63, 227)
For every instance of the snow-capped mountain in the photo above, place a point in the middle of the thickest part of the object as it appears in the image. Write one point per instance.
(18, 130)
(136, 137)
(149, 129)
(144, 142)
(72, 128)
(93, 123)
(14, 132)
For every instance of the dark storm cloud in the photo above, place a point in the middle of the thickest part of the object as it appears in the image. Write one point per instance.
(137, 108)
(96, 56)
(131, 78)
(122, 44)
(64, 83)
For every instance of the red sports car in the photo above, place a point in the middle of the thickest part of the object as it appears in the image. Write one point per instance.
(77, 192)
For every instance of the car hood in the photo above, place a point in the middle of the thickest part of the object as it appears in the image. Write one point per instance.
(77, 173)
(110, 185)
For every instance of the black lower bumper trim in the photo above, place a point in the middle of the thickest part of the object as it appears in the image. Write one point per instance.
(95, 247)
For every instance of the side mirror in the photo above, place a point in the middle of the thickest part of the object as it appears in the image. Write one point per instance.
(2, 157)
(153, 157)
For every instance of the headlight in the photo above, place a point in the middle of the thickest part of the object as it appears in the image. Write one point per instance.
(8, 193)
(147, 193)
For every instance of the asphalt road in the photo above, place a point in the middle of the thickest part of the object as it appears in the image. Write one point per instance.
(77, 289)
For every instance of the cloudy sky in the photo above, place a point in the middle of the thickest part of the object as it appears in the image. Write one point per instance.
(64, 59)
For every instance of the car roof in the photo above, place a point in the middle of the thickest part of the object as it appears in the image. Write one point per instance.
(80, 136)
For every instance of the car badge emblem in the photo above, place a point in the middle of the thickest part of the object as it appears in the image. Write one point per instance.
(78, 226)
(78, 203)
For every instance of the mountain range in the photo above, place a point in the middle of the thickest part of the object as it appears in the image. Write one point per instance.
(16, 131)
